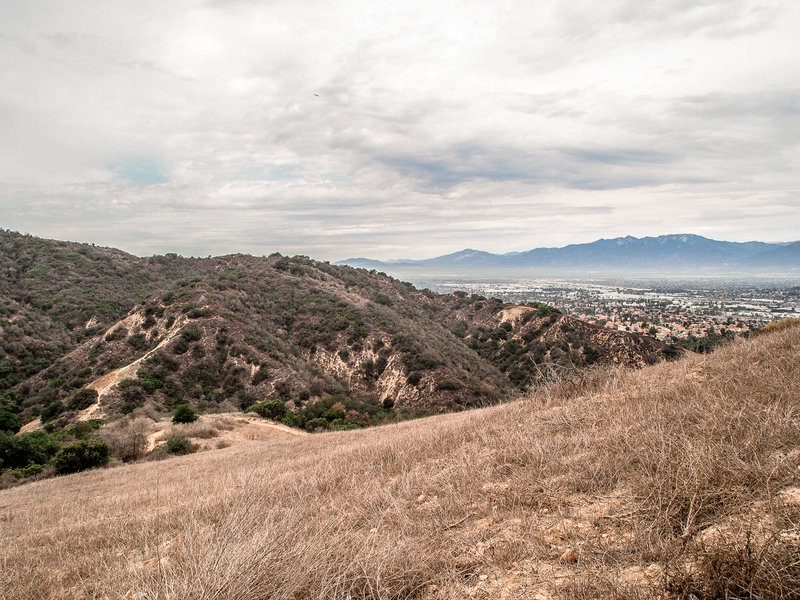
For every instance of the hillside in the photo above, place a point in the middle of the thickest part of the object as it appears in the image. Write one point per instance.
(117, 333)
(55, 294)
(678, 480)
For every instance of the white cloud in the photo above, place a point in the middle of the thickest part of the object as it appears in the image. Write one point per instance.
(396, 129)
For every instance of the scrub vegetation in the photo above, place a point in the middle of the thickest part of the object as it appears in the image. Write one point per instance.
(677, 480)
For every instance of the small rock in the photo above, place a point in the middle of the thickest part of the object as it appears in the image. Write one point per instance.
(421, 499)
(483, 577)
(374, 530)
(569, 556)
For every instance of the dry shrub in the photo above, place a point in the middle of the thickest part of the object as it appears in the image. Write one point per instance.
(779, 325)
(752, 562)
(199, 430)
(127, 438)
(225, 423)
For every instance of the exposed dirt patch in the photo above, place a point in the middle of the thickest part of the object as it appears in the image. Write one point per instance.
(222, 430)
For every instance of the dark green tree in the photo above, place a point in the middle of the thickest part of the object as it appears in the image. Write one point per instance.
(185, 414)
(82, 455)
(9, 421)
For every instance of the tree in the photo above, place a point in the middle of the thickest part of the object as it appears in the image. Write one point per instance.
(185, 414)
(82, 455)
(269, 409)
(9, 421)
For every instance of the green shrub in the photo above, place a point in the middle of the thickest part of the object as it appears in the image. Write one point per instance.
(29, 471)
(138, 341)
(82, 455)
(315, 424)
(179, 445)
(414, 378)
(269, 409)
(192, 334)
(82, 399)
(590, 355)
(52, 410)
(447, 385)
(185, 414)
(117, 334)
(20, 451)
(9, 421)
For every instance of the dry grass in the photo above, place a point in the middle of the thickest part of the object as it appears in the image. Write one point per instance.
(665, 482)
(779, 325)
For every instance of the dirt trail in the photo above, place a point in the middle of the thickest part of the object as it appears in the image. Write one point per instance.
(103, 385)
(246, 429)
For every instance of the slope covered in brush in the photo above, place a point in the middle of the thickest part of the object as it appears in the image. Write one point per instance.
(55, 294)
(678, 480)
(92, 332)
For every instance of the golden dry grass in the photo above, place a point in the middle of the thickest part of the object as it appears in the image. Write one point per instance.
(673, 481)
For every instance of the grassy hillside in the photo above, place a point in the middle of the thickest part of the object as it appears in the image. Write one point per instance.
(677, 480)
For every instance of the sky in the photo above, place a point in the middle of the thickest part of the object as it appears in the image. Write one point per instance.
(397, 129)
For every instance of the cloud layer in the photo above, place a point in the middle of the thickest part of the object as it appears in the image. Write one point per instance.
(397, 129)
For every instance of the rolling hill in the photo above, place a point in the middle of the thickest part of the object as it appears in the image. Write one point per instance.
(677, 480)
(93, 332)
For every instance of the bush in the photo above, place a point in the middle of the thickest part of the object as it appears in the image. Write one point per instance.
(20, 451)
(82, 455)
(127, 438)
(269, 409)
(52, 410)
(185, 414)
(82, 399)
(448, 386)
(315, 424)
(9, 421)
(138, 341)
(414, 378)
(179, 445)
(29, 471)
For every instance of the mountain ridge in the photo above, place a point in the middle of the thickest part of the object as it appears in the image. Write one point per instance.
(87, 332)
(665, 253)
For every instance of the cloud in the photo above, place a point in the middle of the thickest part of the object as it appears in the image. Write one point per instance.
(396, 130)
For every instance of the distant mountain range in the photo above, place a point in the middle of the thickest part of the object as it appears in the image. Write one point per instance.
(663, 254)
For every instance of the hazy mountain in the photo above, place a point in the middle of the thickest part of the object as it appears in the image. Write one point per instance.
(788, 254)
(666, 253)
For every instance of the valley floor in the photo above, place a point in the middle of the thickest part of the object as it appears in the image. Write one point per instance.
(677, 480)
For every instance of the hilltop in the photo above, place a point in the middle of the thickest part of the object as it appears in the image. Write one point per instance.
(94, 333)
(677, 480)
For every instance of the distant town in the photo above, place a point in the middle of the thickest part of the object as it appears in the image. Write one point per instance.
(669, 310)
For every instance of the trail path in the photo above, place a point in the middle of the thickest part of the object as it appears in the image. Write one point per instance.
(246, 429)
(103, 385)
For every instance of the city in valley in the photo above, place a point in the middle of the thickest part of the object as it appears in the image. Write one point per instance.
(668, 309)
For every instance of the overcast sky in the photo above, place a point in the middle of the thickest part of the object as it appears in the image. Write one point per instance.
(383, 129)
